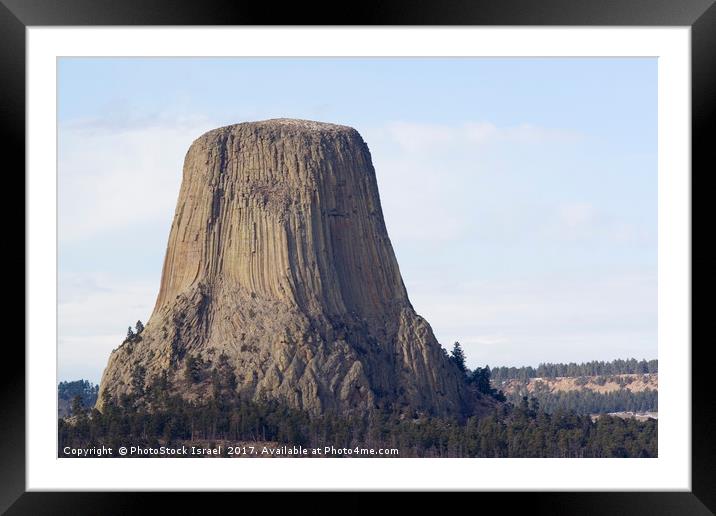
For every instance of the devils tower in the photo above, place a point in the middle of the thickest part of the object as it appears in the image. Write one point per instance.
(279, 268)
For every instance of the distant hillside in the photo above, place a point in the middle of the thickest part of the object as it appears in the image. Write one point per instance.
(589, 388)
(600, 384)
(67, 391)
(573, 370)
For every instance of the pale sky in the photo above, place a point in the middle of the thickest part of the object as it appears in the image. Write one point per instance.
(520, 195)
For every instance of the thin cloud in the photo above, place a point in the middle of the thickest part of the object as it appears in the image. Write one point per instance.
(421, 137)
(583, 221)
(93, 314)
(538, 318)
(114, 179)
(423, 170)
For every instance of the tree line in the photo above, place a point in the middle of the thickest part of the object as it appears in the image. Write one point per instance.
(572, 369)
(150, 415)
(511, 430)
(591, 402)
(82, 388)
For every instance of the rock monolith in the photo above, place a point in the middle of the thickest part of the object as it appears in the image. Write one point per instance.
(279, 270)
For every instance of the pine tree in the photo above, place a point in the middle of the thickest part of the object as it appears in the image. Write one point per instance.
(457, 355)
(481, 378)
(139, 327)
(138, 376)
(192, 373)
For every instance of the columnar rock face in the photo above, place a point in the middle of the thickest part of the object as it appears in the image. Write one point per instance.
(279, 268)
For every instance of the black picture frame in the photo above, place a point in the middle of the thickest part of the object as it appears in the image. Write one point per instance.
(700, 15)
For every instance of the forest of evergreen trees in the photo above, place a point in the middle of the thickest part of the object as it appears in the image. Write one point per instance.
(593, 368)
(82, 388)
(522, 430)
(591, 402)
(80, 392)
(519, 427)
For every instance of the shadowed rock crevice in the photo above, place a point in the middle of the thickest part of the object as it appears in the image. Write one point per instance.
(279, 261)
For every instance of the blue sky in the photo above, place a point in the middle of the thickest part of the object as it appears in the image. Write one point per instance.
(520, 194)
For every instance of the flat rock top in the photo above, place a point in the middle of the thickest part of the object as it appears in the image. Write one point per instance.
(290, 124)
(309, 125)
